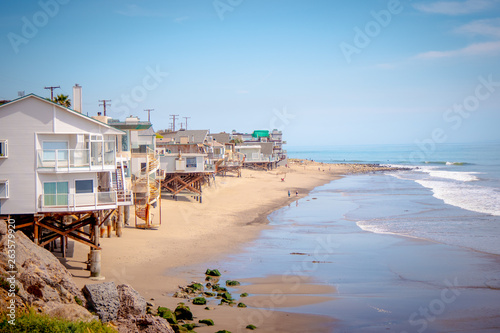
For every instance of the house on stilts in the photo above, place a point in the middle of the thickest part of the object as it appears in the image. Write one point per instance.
(58, 176)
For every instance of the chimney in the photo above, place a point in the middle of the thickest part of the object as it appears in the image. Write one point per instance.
(77, 98)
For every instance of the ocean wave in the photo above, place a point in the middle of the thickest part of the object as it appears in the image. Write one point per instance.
(447, 163)
(475, 198)
(453, 175)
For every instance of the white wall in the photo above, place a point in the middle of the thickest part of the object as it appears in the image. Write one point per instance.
(19, 123)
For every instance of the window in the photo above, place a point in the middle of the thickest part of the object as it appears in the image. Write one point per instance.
(55, 193)
(191, 162)
(143, 167)
(51, 148)
(4, 189)
(3, 149)
(84, 186)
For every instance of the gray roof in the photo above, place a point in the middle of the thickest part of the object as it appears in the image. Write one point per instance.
(222, 137)
(194, 136)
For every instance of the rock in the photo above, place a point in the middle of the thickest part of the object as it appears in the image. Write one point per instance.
(72, 312)
(213, 272)
(150, 304)
(242, 305)
(244, 295)
(167, 314)
(199, 301)
(232, 283)
(251, 327)
(144, 324)
(226, 295)
(208, 322)
(103, 298)
(183, 312)
(222, 331)
(132, 304)
(40, 276)
(196, 286)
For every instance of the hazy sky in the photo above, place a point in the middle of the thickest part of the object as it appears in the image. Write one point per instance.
(326, 72)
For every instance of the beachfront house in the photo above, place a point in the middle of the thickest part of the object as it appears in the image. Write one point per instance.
(55, 159)
(139, 149)
(56, 172)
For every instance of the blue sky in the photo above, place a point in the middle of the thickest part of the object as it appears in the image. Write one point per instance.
(325, 72)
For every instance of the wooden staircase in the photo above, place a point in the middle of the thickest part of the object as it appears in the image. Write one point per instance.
(147, 193)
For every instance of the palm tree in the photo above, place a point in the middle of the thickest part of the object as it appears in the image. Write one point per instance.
(63, 100)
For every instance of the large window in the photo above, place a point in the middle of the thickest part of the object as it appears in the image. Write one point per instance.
(84, 186)
(55, 149)
(3, 149)
(4, 189)
(55, 193)
(191, 162)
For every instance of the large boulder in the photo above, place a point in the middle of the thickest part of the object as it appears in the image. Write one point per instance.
(72, 312)
(144, 324)
(132, 304)
(40, 276)
(103, 299)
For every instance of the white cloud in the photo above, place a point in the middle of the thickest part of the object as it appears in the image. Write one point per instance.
(456, 7)
(477, 49)
(490, 28)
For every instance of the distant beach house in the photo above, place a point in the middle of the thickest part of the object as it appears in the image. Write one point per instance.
(56, 160)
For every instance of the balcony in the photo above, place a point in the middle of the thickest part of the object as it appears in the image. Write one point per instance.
(77, 202)
(67, 160)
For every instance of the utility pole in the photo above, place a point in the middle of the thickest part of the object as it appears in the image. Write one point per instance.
(149, 114)
(186, 121)
(52, 91)
(105, 102)
(173, 116)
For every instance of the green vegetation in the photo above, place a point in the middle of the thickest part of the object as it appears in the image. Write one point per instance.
(196, 286)
(242, 305)
(232, 283)
(244, 295)
(251, 327)
(199, 301)
(4, 284)
(208, 322)
(183, 312)
(213, 272)
(78, 301)
(39, 323)
(167, 314)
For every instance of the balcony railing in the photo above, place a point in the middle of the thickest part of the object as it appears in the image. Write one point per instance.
(67, 159)
(124, 197)
(77, 202)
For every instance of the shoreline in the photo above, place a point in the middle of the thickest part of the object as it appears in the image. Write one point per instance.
(233, 213)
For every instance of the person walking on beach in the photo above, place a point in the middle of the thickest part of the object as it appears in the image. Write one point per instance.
(289, 193)
(296, 193)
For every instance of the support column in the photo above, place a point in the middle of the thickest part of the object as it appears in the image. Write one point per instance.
(95, 263)
(126, 214)
(119, 222)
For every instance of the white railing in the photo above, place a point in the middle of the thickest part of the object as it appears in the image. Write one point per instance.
(76, 202)
(67, 159)
(124, 196)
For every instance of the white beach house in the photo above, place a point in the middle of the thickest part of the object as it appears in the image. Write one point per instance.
(54, 159)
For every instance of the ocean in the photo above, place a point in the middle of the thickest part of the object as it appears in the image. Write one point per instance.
(463, 176)
(413, 250)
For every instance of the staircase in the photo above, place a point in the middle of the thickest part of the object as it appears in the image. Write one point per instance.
(118, 184)
(147, 191)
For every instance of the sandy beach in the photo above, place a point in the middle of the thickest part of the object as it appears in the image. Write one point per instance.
(233, 212)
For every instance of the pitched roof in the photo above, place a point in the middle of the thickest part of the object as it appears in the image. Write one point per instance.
(76, 113)
(194, 136)
(222, 137)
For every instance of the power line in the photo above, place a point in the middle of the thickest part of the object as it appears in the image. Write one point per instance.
(186, 121)
(173, 116)
(52, 91)
(149, 114)
(104, 104)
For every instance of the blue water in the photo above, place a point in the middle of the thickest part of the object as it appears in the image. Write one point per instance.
(465, 176)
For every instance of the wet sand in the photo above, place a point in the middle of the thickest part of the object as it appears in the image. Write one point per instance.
(234, 212)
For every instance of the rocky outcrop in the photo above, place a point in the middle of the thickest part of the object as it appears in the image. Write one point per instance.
(103, 299)
(124, 307)
(40, 277)
(132, 304)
